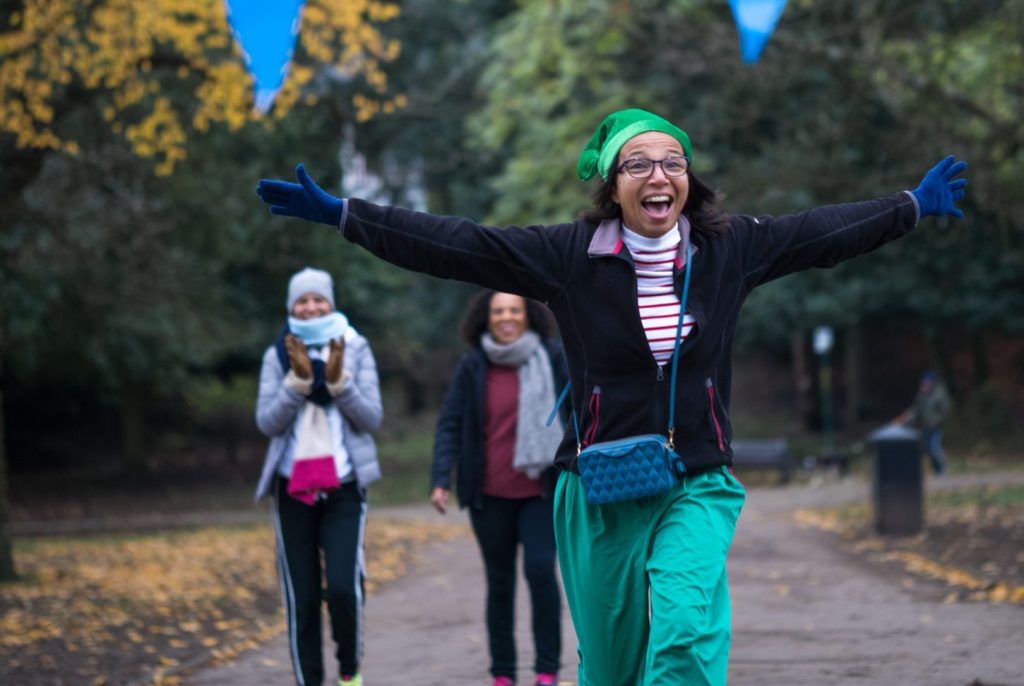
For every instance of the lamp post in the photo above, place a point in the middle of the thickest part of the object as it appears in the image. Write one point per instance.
(823, 340)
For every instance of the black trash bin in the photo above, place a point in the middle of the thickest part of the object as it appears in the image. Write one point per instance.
(896, 481)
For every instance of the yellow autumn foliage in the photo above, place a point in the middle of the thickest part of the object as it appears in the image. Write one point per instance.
(125, 49)
(162, 598)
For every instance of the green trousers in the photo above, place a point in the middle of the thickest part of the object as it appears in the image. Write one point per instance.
(645, 581)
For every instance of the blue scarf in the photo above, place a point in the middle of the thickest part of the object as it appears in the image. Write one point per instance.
(320, 330)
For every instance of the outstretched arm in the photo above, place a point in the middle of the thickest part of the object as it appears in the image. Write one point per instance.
(529, 261)
(770, 247)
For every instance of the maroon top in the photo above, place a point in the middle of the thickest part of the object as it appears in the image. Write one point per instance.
(501, 412)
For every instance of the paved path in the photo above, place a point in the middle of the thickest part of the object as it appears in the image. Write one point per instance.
(805, 613)
(430, 624)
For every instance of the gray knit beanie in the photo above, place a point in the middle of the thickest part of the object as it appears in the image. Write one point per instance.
(310, 280)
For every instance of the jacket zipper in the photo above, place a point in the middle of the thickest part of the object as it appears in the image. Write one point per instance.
(714, 419)
(659, 368)
(594, 410)
(660, 407)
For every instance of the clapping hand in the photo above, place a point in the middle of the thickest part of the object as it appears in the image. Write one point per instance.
(304, 199)
(335, 361)
(938, 190)
(298, 358)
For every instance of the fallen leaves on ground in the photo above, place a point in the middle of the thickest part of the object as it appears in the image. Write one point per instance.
(143, 608)
(973, 542)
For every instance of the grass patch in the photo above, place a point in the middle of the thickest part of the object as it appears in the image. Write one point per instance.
(982, 497)
(405, 466)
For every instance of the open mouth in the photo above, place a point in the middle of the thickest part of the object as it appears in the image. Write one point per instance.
(657, 206)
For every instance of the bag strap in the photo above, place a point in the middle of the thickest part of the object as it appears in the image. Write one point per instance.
(675, 353)
(554, 413)
(675, 367)
(558, 403)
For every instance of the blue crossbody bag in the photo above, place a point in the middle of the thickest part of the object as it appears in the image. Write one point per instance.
(635, 466)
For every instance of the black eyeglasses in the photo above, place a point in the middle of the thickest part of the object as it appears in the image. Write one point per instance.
(641, 167)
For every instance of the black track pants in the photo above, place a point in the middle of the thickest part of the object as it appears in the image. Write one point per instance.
(334, 526)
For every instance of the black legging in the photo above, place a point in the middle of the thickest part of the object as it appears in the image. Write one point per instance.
(332, 527)
(500, 525)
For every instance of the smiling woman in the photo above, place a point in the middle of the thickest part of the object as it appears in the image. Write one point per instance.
(614, 279)
(492, 434)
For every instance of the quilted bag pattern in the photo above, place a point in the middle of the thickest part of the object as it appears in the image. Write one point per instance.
(628, 468)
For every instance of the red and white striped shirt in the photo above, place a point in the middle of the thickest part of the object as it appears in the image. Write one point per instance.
(656, 297)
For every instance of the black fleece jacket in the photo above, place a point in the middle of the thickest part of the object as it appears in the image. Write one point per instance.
(459, 439)
(586, 276)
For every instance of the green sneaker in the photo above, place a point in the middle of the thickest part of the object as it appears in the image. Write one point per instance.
(356, 680)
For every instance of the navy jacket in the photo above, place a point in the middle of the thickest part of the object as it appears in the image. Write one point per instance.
(459, 440)
(585, 275)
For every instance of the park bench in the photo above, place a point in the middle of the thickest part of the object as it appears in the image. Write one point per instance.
(763, 453)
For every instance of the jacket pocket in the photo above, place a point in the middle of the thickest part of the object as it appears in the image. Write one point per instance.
(712, 416)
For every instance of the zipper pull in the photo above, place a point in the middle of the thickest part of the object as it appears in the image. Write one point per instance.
(661, 373)
(714, 419)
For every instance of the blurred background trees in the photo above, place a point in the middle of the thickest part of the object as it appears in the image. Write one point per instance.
(132, 267)
(141, 280)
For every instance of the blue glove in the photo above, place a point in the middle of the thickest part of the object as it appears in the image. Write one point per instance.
(304, 200)
(939, 190)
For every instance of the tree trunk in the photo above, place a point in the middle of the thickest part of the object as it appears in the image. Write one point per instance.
(7, 569)
(20, 167)
(133, 429)
(979, 351)
(802, 381)
(415, 396)
(854, 364)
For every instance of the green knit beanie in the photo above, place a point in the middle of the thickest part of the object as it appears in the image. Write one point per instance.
(602, 149)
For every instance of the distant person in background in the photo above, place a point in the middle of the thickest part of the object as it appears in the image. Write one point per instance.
(928, 414)
(492, 433)
(319, 403)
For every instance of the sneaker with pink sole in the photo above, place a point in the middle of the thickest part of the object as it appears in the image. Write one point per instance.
(545, 679)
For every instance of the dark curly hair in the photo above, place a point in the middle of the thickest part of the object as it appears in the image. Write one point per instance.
(477, 315)
(701, 207)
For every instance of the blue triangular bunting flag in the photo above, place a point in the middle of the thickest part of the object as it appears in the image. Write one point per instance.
(755, 20)
(266, 32)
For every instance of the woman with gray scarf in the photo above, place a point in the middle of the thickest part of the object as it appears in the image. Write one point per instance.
(492, 433)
